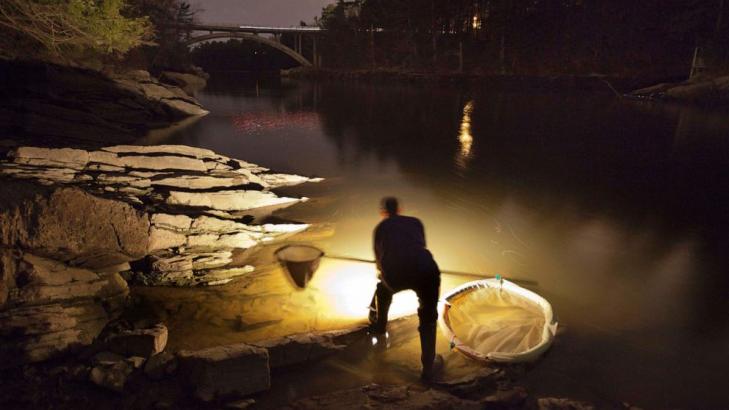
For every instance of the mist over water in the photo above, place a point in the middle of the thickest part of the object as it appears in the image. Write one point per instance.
(617, 208)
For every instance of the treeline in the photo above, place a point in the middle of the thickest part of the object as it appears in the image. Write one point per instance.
(541, 37)
(232, 55)
(95, 33)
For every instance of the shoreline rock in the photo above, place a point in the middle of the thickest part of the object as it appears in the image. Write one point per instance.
(702, 91)
(72, 220)
(57, 105)
(50, 307)
(177, 212)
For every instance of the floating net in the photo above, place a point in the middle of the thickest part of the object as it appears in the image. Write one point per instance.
(497, 320)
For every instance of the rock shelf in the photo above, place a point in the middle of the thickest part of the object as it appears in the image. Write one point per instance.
(72, 221)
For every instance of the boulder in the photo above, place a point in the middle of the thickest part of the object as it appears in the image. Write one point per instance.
(52, 307)
(160, 365)
(70, 225)
(42, 281)
(112, 377)
(139, 342)
(238, 370)
(37, 333)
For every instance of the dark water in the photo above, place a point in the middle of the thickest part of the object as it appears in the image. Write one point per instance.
(619, 209)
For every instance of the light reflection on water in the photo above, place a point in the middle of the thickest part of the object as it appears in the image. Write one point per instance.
(616, 208)
(464, 137)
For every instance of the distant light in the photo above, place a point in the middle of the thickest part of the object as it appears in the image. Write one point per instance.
(476, 23)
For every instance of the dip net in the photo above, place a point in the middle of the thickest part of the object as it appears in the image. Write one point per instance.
(493, 320)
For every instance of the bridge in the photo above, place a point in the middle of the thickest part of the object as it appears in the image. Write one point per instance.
(205, 32)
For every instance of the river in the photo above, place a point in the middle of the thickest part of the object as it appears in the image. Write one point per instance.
(619, 209)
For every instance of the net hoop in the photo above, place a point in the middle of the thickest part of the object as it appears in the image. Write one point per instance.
(548, 332)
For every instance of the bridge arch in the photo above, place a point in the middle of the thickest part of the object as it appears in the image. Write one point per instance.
(251, 37)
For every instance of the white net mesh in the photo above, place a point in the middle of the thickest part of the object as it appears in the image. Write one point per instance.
(506, 323)
(491, 320)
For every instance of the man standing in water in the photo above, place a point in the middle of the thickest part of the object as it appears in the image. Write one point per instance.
(405, 263)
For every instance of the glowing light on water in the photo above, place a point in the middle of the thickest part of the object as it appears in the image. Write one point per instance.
(465, 138)
(345, 289)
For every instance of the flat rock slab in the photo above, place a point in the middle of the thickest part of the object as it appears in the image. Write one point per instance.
(306, 347)
(140, 342)
(232, 370)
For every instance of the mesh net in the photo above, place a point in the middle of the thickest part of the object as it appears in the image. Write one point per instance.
(495, 320)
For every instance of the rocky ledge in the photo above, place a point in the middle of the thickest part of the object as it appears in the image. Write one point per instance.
(57, 105)
(74, 223)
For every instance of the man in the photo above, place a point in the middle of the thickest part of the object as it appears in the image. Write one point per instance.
(405, 263)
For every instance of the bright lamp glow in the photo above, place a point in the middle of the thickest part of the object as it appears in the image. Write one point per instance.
(345, 290)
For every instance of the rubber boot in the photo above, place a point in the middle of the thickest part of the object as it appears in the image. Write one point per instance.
(432, 363)
(381, 301)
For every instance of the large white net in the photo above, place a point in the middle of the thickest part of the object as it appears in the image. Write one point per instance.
(489, 320)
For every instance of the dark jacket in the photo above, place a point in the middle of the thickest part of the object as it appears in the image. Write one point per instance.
(401, 254)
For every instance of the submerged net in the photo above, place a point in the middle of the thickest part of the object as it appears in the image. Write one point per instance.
(488, 320)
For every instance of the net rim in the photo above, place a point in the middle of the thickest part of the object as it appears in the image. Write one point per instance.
(280, 258)
(548, 331)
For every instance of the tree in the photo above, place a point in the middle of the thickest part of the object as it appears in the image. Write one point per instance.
(67, 29)
(166, 16)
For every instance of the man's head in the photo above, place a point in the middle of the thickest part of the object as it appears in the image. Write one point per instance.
(389, 206)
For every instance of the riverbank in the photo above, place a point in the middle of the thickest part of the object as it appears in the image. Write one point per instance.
(597, 82)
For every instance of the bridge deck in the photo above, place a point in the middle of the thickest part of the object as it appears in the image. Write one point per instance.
(249, 29)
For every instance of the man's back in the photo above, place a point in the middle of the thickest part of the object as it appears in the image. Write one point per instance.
(399, 243)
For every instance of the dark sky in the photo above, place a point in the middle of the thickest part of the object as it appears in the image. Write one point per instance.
(259, 12)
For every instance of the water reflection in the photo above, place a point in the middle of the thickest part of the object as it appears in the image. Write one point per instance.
(464, 137)
(265, 121)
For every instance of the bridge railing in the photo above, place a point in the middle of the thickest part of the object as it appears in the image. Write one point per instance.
(247, 28)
